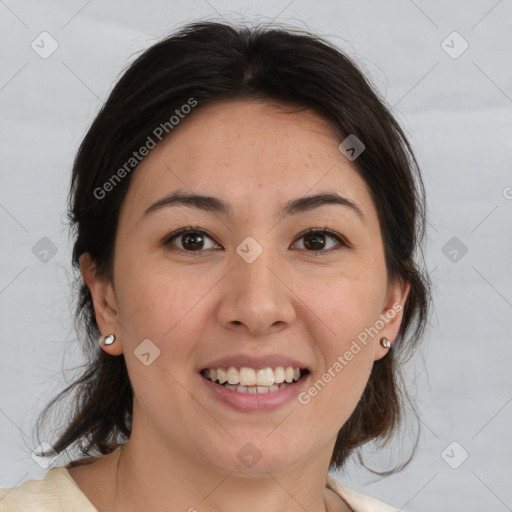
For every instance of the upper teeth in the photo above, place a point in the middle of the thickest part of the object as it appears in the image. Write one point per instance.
(251, 377)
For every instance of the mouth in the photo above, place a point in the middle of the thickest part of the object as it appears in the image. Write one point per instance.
(255, 381)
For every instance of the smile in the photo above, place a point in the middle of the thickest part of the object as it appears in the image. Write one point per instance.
(254, 381)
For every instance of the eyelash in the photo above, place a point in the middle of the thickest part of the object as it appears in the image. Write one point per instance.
(193, 229)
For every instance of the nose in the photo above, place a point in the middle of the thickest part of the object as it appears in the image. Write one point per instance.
(257, 298)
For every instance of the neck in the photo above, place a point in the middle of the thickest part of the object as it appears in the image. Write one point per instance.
(153, 479)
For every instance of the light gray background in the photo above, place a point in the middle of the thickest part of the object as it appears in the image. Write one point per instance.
(457, 112)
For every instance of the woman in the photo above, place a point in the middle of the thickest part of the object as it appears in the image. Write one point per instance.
(247, 214)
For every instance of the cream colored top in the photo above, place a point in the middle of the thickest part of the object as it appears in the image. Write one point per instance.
(58, 492)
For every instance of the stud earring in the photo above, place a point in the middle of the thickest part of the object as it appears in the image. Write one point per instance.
(385, 343)
(108, 340)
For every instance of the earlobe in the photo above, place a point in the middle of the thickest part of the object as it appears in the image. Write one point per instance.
(391, 316)
(105, 307)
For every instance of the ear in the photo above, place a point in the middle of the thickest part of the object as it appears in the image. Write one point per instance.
(104, 300)
(391, 315)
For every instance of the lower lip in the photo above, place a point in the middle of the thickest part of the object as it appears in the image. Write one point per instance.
(255, 401)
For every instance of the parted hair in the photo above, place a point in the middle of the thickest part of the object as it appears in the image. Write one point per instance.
(212, 62)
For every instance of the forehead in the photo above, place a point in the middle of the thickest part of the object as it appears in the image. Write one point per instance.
(254, 154)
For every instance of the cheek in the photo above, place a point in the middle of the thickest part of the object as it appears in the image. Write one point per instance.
(343, 313)
(335, 389)
(159, 304)
(345, 305)
(156, 299)
(167, 307)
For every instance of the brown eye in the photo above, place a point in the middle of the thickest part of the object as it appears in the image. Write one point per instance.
(317, 240)
(314, 241)
(190, 239)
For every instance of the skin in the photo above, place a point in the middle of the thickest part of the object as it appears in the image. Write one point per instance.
(291, 300)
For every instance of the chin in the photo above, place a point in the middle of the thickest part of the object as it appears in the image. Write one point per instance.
(259, 456)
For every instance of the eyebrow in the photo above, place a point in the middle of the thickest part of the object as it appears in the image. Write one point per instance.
(216, 205)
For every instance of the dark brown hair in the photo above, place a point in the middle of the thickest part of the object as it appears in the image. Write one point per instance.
(212, 62)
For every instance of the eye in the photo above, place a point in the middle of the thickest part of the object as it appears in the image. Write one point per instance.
(190, 238)
(317, 239)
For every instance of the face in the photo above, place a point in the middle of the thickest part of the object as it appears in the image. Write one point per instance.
(254, 284)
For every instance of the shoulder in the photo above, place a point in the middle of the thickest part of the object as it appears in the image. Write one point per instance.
(56, 492)
(357, 501)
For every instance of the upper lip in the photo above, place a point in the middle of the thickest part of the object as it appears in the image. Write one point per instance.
(242, 360)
